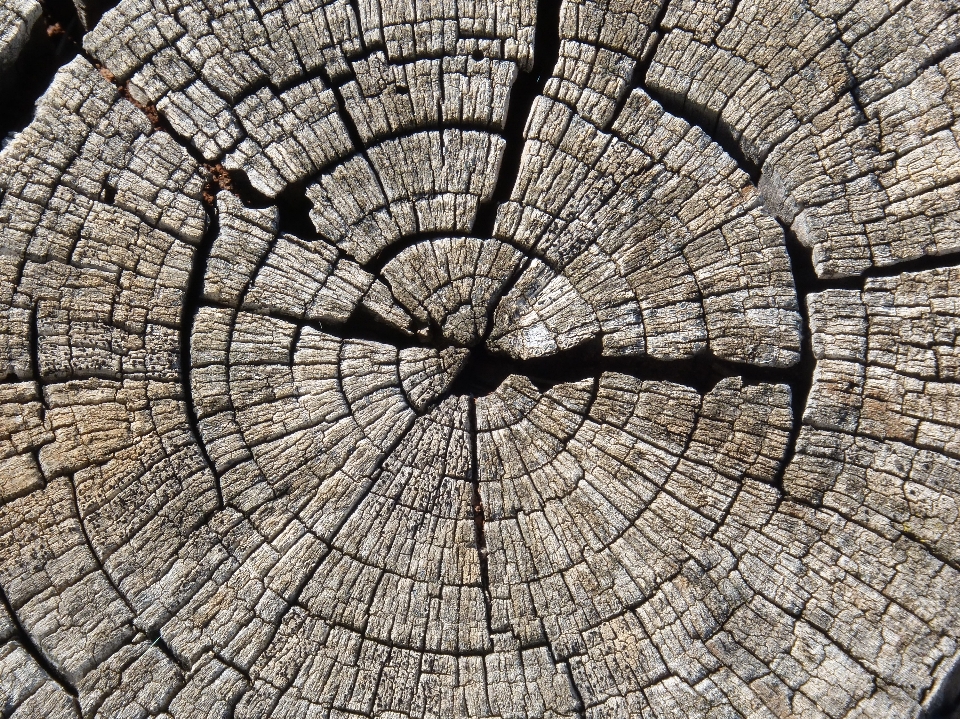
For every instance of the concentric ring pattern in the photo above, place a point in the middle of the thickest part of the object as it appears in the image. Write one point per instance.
(485, 359)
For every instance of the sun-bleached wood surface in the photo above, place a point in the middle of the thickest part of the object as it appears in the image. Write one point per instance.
(499, 359)
(17, 18)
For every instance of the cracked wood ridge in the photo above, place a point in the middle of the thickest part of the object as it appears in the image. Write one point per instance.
(484, 358)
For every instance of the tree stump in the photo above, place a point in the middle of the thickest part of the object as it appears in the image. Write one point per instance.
(485, 359)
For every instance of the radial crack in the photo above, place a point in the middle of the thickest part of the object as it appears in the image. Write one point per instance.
(479, 517)
(192, 301)
(526, 89)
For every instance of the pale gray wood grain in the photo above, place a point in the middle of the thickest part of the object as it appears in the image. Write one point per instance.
(334, 382)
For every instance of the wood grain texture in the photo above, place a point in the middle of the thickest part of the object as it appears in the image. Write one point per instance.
(17, 18)
(485, 359)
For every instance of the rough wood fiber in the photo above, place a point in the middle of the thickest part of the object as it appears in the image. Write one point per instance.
(485, 359)
(17, 18)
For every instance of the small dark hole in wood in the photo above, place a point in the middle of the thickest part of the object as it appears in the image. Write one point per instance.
(403, 90)
(477, 55)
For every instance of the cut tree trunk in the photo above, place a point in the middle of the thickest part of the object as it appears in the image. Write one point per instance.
(485, 359)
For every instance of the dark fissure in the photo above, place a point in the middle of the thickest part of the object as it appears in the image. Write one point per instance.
(527, 87)
(192, 300)
(53, 42)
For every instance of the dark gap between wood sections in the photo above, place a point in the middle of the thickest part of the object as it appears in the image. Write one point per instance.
(919, 264)
(679, 107)
(157, 641)
(65, 12)
(581, 708)
(362, 325)
(527, 87)
(218, 177)
(657, 33)
(53, 42)
(801, 383)
(945, 704)
(807, 282)
(33, 340)
(192, 299)
(390, 252)
(348, 122)
(484, 370)
(157, 121)
(479, 516)
(713, 128)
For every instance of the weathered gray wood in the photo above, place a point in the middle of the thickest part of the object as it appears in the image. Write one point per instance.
(17, 18)
(336, 382)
